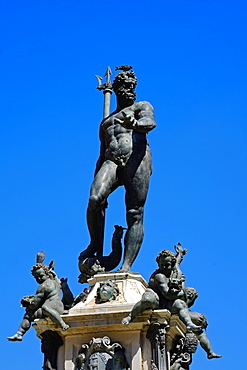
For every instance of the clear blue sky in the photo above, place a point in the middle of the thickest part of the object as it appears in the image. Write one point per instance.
(190, 60)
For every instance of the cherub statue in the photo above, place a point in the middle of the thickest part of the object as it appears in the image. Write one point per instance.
(45, 303)
(200, 319)
(166, 289)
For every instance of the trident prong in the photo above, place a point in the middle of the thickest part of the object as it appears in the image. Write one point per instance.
(108, 75)
(99, 79)
(107, 90)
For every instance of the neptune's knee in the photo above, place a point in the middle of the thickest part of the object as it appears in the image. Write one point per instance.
(135, 214)
(94, 201)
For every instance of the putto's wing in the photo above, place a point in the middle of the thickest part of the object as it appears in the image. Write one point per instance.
(40, 257)
(52, 265)
(179, 249)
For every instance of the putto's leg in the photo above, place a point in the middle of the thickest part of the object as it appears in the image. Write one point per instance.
(54, 316)
(23, 328)
(181, 309)
(150, 300)
(206, 345)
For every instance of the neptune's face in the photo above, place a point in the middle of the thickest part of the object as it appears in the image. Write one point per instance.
(127, 90)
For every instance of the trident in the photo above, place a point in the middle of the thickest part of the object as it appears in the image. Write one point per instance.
(107, 91)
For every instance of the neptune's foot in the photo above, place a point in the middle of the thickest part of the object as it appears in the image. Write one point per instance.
(87, 253)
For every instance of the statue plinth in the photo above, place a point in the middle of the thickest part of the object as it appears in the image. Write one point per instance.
(96, 319)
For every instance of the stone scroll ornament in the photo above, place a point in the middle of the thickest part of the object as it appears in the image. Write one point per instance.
(101, 354)
(181, 356)
(124, 160)
(45, 303)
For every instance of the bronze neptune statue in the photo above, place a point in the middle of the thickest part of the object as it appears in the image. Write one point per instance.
(125, 160)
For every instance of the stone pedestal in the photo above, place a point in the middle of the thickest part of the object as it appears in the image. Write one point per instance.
(96, 330)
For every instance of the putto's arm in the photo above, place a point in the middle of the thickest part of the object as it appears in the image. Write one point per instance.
(38, 299)
(161, 283)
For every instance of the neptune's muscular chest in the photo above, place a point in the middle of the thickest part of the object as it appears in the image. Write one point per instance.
(117, 139)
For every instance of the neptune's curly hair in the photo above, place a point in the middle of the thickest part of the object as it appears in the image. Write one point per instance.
(121, 77)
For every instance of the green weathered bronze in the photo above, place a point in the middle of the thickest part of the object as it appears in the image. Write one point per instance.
(200, 319)
(90, 266)
(107, 291)
(166, 289)
(107, 91)
(46, 301)
(125, 159)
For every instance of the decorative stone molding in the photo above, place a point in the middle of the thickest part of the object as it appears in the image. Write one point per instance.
(50, 343)
(157, 336)
(100, 354)
(181, 356)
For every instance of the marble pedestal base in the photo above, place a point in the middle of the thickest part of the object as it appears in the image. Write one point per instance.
(90, 319)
